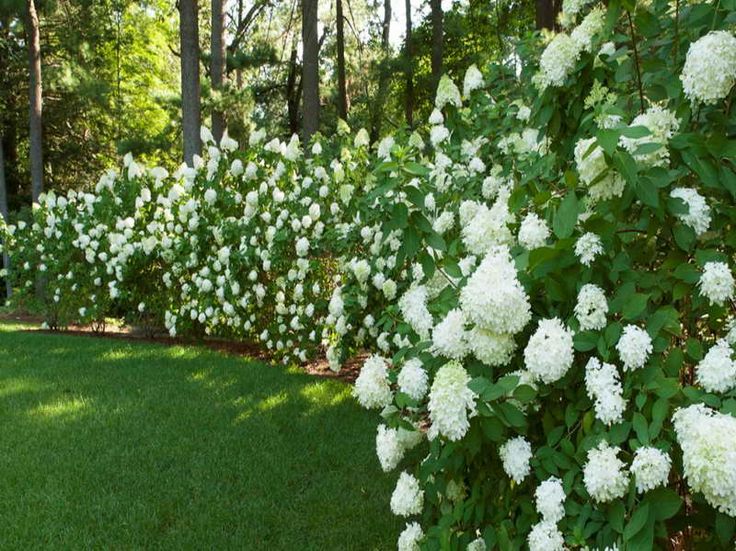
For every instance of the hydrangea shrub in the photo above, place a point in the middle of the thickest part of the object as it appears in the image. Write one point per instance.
(542, 276)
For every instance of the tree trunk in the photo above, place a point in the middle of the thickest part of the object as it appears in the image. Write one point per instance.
(546, 11)
(383, 74)
(342, 92)
(190, 99)
(292, 91)
(35, 100)
(310, 68)
(437, 39)
(4, 214)
(409, 53)
(217, 63)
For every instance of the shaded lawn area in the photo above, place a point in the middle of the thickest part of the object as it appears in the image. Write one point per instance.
(107, 443)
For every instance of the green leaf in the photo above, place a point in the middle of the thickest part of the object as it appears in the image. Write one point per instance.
(725, 526)
(616, 513)
(684, 236)
(585, 341)
(635, 306)
(566, 216)
(665, 502)
(638, 520)
(525, 393)
(641, 428)
(626, 165)
(607, 138)
(416, 169)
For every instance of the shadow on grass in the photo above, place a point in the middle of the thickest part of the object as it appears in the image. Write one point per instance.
(104, 443)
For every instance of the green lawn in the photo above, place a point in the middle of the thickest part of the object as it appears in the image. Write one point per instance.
(105, 443)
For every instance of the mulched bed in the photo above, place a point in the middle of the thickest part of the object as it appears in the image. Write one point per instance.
(318, 367)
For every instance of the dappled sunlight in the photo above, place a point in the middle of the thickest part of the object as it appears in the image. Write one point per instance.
(273, 402)
(62, 408)
(18, 386)
(324, 394)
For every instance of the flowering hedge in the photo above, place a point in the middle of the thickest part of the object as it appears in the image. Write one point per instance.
(542, 275)
(563, 336)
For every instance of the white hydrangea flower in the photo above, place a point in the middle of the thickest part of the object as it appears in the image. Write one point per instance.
(544, 536)
(473, 80)
(493, 298)
(604, 475)
(634, 347)
(384, 148)
(662, 123)
(591, 164)
(651, 468)
(570, 10)
(591, 25)
(362, 138)
(717, 371)
(587, 247)
(550, 500)
(412, 379)
(533, 232)
(476, 545)
(716, 283)
(410, 537)
(698, 215)
(449, 337)
(491, 348)
(447, 92)
(591, 307)
(516, 454)
(708, 442)
(451, 402)
(604, 389)
(388, 448)
(486, 227)
(557, 61)
(413, 306)
(549, 353)
(731, 331)
(709, 72)
(408, 497)
(371, 387)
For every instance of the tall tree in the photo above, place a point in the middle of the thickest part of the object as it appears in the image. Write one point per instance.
(383, 74)
(342, 91)
(310, 68)
(4, 214)
(545, 13)
(293, 90)
(190, 93)
(409, 54)
(217, 63)
(437, 40)
(35, 99)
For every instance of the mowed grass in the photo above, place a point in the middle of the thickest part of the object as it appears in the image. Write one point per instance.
(111, 444)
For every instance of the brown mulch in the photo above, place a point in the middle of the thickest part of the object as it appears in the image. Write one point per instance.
(318, 367)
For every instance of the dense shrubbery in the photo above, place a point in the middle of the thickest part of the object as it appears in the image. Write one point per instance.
(546, 286)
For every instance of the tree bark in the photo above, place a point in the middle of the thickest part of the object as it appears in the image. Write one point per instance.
(383, 74)
(546, 11)
(35, 100)
(190, 98)
(217, 63)
(310, 68)
(409, 54)
(437, 41)
(342, 92)
(292, 91)
(4, 214)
